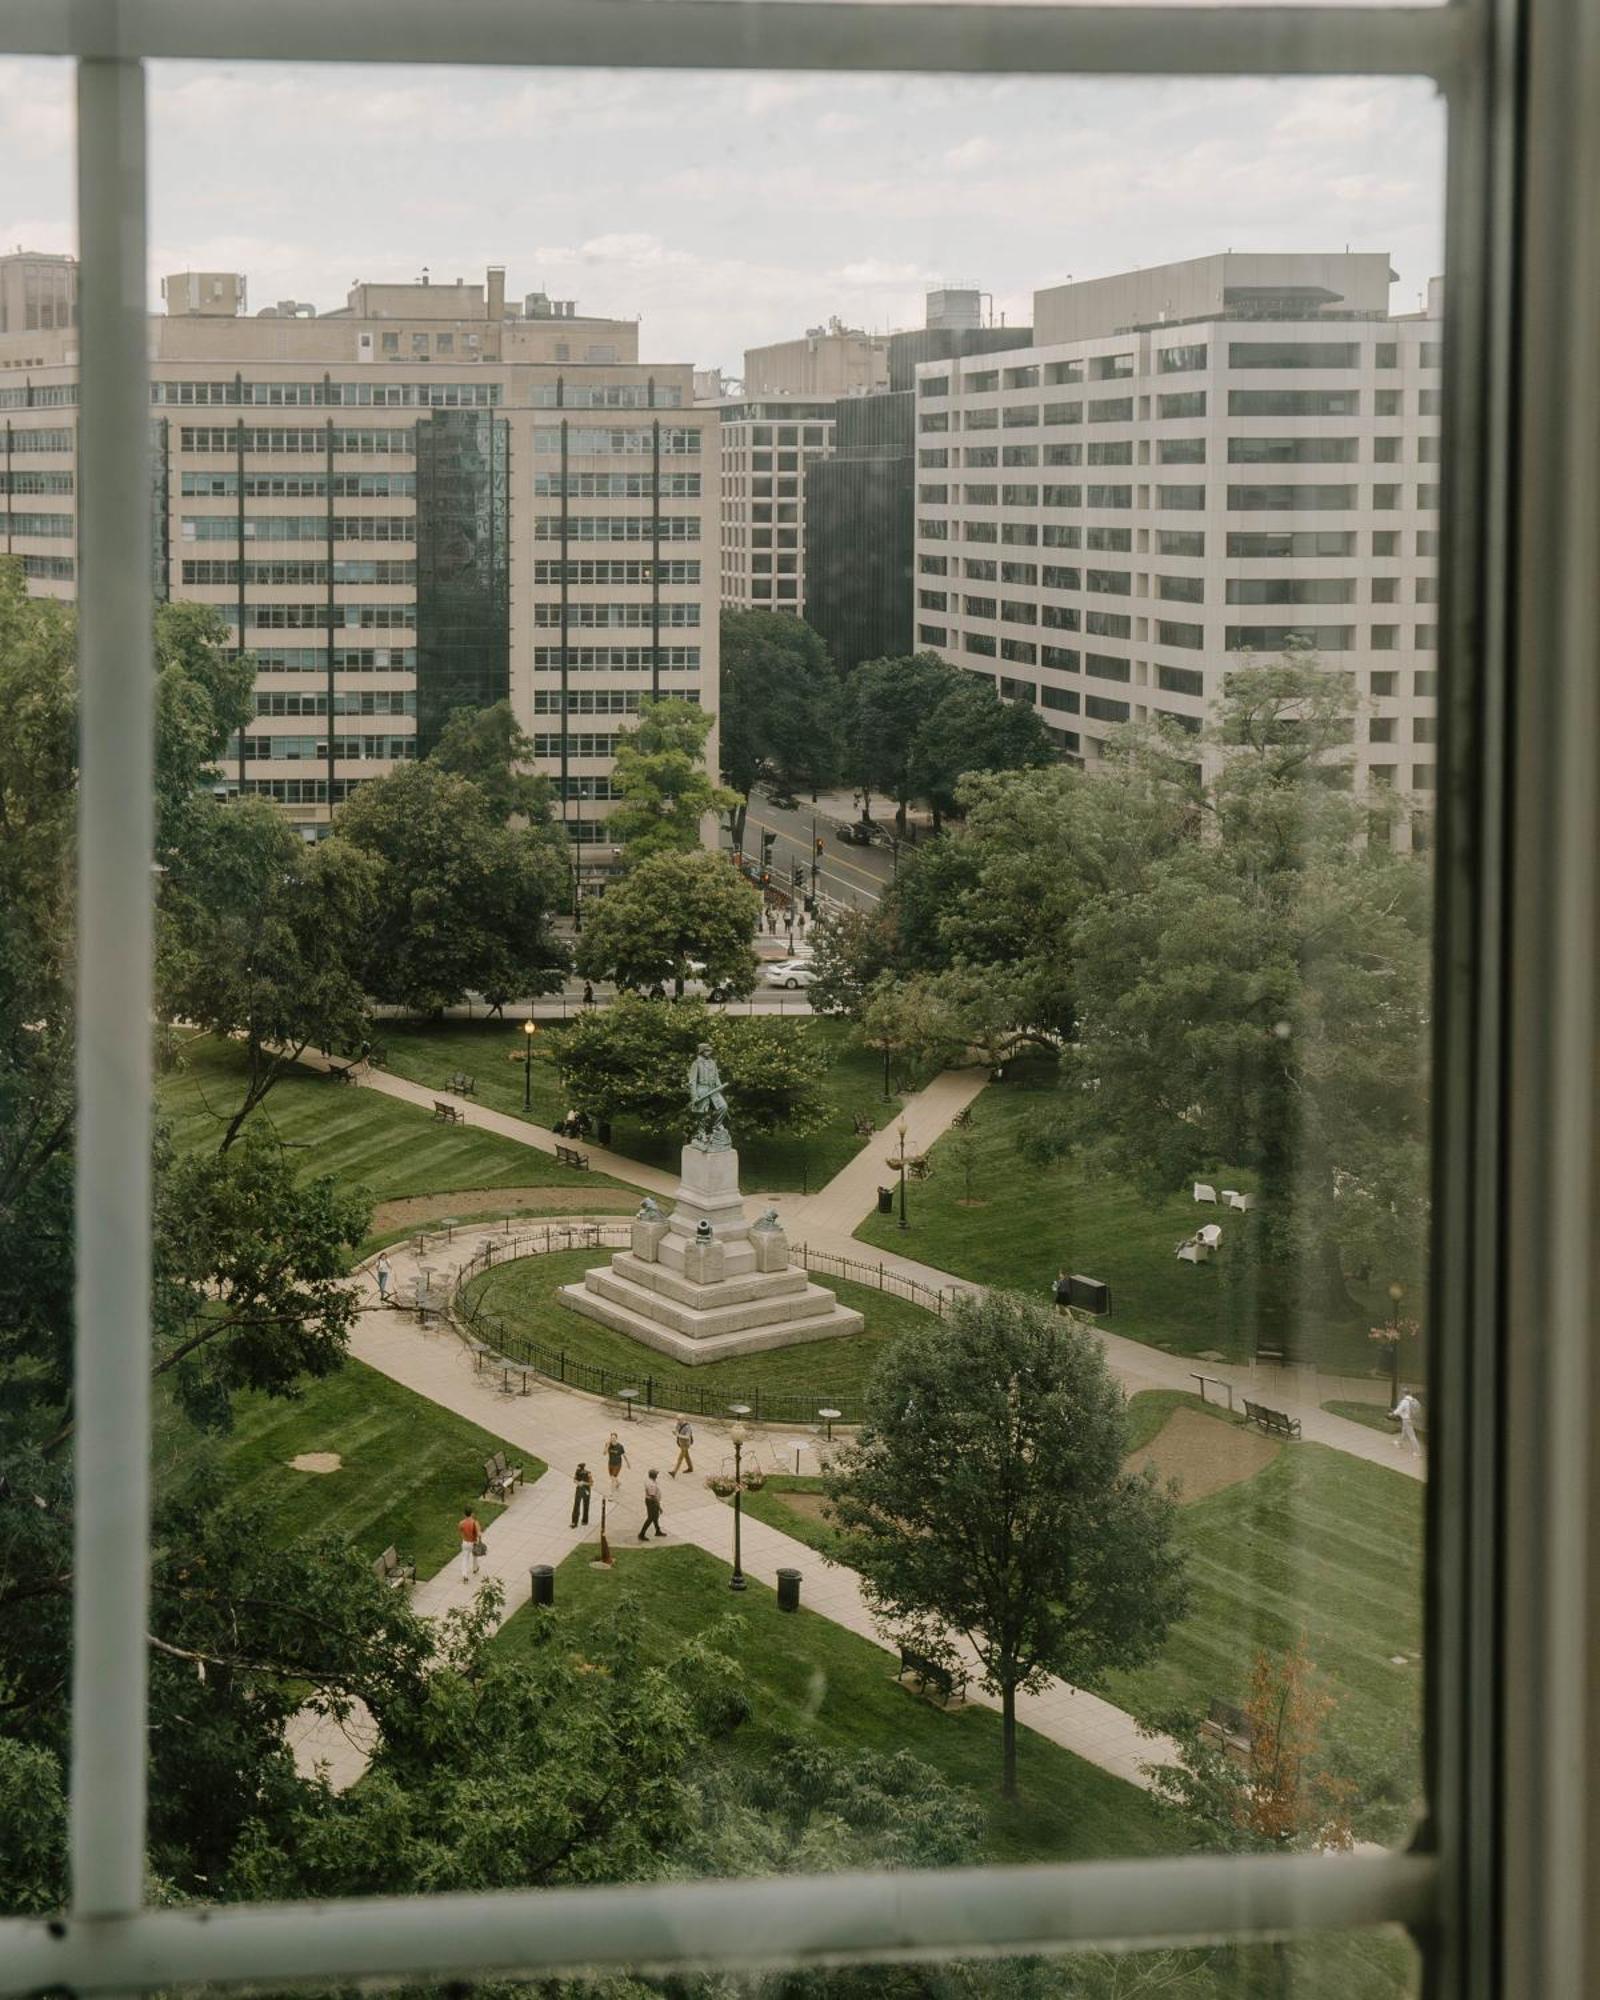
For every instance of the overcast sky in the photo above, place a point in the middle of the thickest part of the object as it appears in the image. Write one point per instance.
(726, 210)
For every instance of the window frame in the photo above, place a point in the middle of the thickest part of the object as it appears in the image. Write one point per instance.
(1496, 1887)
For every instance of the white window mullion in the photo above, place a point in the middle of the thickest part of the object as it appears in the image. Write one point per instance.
(115, 836)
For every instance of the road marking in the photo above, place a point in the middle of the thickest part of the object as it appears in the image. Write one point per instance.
(878, 882)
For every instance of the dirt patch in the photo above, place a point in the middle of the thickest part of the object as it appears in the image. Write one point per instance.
(417, 1208)
(813, 1505)
(1204, 1454)
(316, 1461)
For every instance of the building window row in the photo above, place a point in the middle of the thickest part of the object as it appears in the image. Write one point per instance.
(345, 659)
(223, 570)
(299, 527)
(270, 438)
(331, 395)
(623, 659)
(299, 485)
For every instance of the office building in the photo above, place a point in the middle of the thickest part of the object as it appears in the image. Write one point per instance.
(1193, 465)
(765, 446)
(831, 360)
(431, 496)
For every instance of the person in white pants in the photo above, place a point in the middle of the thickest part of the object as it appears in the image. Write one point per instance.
(1408, 1409)
(471, 1534)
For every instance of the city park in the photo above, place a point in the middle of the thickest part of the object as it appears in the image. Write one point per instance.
(523, 1230)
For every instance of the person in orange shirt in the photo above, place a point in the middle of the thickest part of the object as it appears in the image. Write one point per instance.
(471, 1540)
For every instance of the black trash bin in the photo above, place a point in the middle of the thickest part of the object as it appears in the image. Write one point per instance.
(602, 1131)
(544, 1583)
(886, 1201)
(788, 1590)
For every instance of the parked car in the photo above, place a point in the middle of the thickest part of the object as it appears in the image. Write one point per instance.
(856, 833)
(792, 973)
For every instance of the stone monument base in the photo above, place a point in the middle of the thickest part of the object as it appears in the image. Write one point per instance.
(704, 1284)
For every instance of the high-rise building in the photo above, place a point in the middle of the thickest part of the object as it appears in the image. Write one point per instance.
(831, 360)
(1193, 465)
(430, 497)
(765, 446)
(38, 292)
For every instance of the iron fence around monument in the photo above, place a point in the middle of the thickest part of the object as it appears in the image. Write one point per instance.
(766, 1405)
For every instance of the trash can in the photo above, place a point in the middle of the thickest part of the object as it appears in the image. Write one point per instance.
(602, 1131)
(544, 1583)
(886, 1201)
(788, 1590)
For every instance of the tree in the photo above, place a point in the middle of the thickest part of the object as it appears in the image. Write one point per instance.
(486, 746)
(668, 910)
(780, 703)
(1259, 998)
(850, 949)
(973, 728)
(886, 703)
(463, 903)
(908, 1020)
(660, 776)
(632, 1061)
(1281, 1795)
(963, 1150)
(985, 1497)
(264, 937)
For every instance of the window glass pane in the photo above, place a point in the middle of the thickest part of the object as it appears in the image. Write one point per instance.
(406, 821)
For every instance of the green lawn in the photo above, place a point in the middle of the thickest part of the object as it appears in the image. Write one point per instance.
(1035, 1221)
(429, 1052)
(770, 1503)
(361, 1136)
(810, 1678)
(407, 1465)
(1326, 1545)
(523, 1295)
(1375, 1416)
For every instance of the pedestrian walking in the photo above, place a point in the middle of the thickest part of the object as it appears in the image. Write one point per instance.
(582, 1487)
(1408, 1409)
(472, 1549)
(588, 994)
(652, 1505)
(383, 1277)
(1061, 1290)
(683, 1433)
(616, 1459)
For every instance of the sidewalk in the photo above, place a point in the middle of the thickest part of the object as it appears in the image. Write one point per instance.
(850, 1195)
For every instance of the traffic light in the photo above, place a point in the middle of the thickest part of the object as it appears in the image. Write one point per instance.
(797, 874)
(768, 841)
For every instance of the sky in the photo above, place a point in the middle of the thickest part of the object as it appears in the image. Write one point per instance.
(728, 210)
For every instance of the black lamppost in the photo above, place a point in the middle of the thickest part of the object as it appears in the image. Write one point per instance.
(577, 865)
(529, 1030)
(902, 1130)
(1397, 1292)
(738, 1435)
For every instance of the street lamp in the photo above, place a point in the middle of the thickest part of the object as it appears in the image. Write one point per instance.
(738, 1435)
(530, 1028)
(1397, 1292)
(902, 1130)
(577, 866)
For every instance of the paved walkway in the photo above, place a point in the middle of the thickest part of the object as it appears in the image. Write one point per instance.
(852, 1192)
(561, 1427)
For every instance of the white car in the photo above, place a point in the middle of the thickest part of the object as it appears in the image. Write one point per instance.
(791, 972)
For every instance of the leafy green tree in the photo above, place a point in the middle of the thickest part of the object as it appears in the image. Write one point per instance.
(632, 1061)
(907, 1021)
(850, 949)
(973, 728)
(487, 746)
(661, 778)
(464, 902)
(885, 705)
(1259, 998)
(780, 704)
(985, 1497)
(669, 909)
(264, 937)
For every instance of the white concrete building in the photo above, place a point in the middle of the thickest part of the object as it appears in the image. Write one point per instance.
(1190, 464)
(765, 444)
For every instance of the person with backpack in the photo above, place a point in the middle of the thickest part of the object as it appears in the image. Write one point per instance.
(683, 1432)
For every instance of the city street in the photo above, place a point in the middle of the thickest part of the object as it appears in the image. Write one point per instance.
(854, 876)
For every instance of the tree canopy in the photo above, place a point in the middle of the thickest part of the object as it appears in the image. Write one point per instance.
(463, 903)
(985, 1499)
(487, 746)
(780, 708)
(660, 776)
(669, 909)
(632, 1061)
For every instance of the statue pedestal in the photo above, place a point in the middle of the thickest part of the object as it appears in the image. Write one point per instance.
(703, 1296)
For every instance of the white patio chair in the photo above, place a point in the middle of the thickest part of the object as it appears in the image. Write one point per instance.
(1194, 1252)
(1203, 1191)
(1243, 1202)
(1229, 1197)
(1211, 1235)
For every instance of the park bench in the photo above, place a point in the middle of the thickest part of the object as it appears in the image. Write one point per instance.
(449, 1114)
(930, 1674)
(346, 1072)
(389, 1568)
(864, 1126)
(1276, 1423)
(499, 1478)
(462, 1084)
(378, 1056)
(1230, 1728)
(570, 1156)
